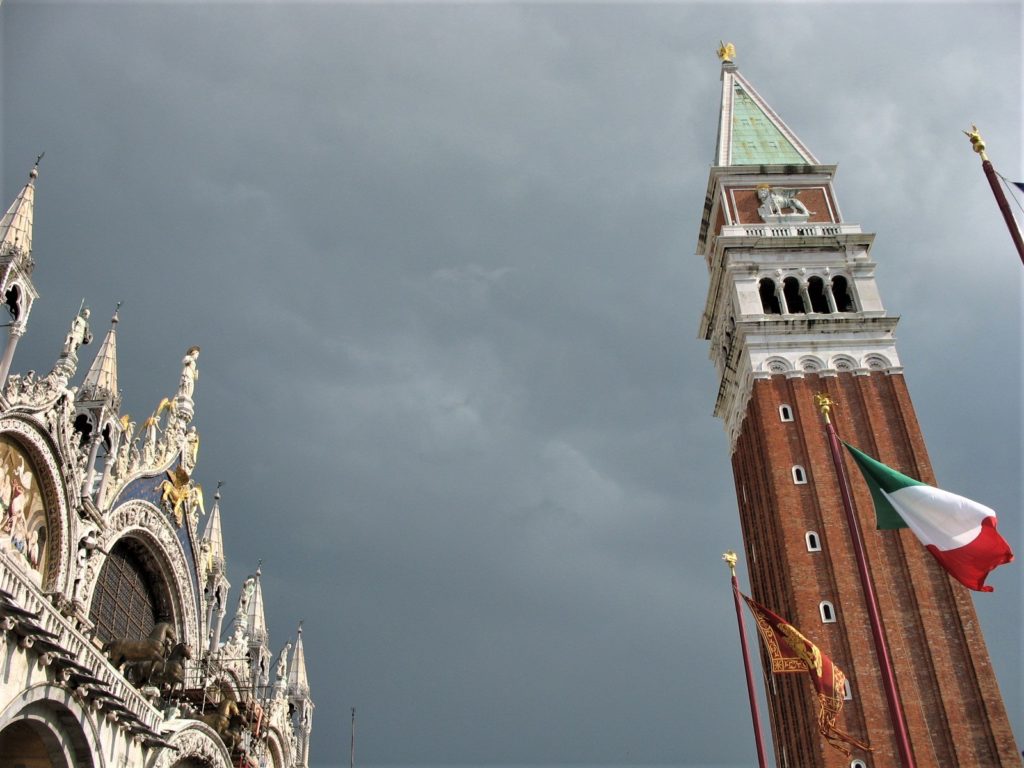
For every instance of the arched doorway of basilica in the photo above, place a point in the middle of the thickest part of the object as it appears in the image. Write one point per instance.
(44, 735)
(26, 744)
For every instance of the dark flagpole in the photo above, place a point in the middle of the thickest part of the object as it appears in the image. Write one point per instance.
(352, 742)
(899, 723)
(993, 180)
(730, 558)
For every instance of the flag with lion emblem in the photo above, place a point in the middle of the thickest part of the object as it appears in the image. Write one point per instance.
(790, 651)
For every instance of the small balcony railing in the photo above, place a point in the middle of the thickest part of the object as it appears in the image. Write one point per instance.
(806, 229)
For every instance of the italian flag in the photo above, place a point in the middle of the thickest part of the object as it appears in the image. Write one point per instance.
(960, 533)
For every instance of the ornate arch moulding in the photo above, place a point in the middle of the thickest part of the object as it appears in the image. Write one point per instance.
(280, 748)
(144, 522)
(193, 740)
(43, 703)
(34, 440)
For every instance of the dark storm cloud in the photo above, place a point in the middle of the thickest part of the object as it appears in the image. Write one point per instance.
(440, 262)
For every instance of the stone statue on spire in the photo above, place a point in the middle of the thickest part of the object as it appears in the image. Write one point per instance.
(78, 334)
(189, 373)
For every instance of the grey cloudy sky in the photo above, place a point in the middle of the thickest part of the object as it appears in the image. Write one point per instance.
(440, 261)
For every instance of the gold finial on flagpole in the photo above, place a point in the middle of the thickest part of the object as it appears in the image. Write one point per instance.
(726, 52)
(976, 141)
(824, 403)
(731, 558)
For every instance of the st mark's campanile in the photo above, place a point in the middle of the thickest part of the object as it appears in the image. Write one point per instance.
(793, 310)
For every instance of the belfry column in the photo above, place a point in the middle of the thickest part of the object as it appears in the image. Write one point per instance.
(13, 336)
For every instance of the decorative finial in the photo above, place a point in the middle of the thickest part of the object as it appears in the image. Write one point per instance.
(300, 626)
(731, 558)
(824, 403)
(35, 168)
(114, 320)
(726, 52)
(976, 141)
(259, 567)
(216, 495)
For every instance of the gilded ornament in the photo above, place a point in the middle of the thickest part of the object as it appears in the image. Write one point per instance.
(179, 494)
(731, 559)
(976, 141)
(824, 403)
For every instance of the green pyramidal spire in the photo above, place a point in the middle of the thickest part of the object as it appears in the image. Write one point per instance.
(749, 131)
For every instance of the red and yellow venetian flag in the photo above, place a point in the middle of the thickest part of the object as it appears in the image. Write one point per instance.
(790, 651)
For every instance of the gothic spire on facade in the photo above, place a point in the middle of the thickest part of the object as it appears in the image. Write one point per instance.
(298, 682)
(256, 621)
(100, 383)
(98, 402)
(212, 540)
(16, 289)
(16, 225)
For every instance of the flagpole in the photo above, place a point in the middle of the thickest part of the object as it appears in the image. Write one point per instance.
(352, 742)
(899, 723)
(730, 558)
(990, 173)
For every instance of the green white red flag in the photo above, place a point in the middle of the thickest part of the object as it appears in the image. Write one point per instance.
(961, 534)
(790, 651)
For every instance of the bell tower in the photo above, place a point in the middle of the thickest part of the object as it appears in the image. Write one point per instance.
(792, 310)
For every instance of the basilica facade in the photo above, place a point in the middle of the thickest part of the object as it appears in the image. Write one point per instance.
(114, 647)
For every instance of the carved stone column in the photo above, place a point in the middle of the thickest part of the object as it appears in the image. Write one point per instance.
(17, 331)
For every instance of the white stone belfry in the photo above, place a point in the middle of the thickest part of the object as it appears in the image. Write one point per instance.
(792, 286)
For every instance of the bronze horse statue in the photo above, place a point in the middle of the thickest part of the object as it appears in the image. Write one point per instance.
(221, 719)
(154, 648)
(171, 671)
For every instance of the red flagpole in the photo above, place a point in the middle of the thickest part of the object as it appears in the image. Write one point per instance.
(993, 180)
(762, 761)
(899, 722)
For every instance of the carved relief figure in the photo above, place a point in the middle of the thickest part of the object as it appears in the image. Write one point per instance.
(773, 201)
(22, 517)
(190, 455)
(282, 662)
